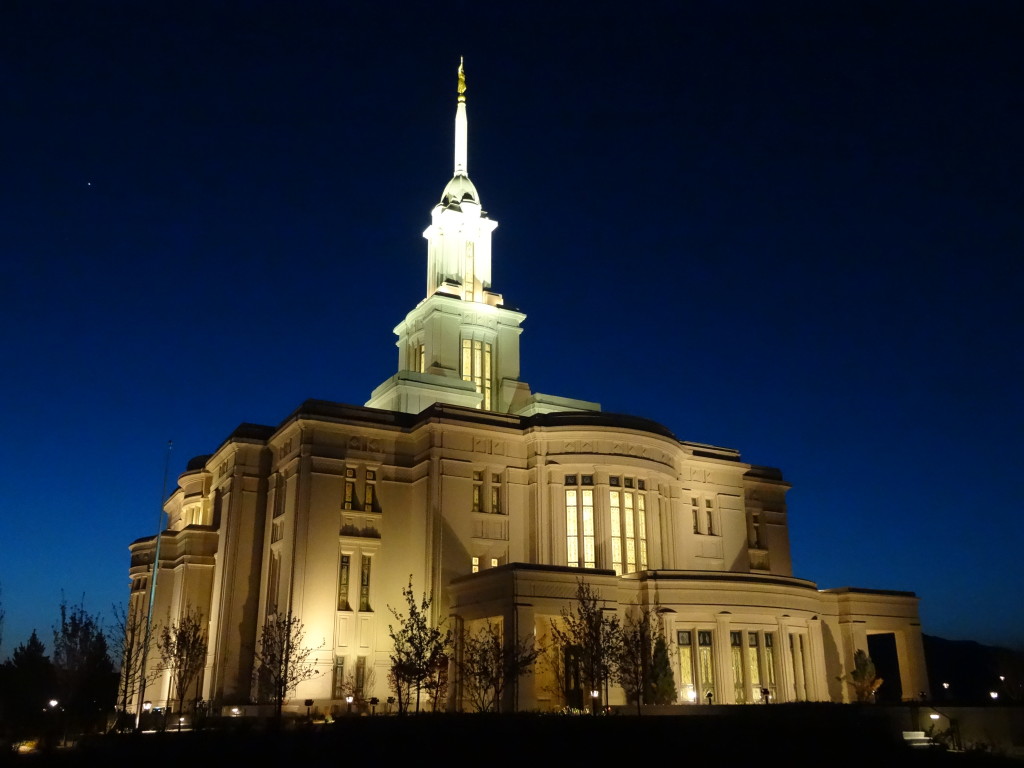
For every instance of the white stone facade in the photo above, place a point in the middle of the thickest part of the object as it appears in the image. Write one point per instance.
(496, 501)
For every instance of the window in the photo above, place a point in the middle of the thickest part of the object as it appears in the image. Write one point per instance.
(476, 367)
(338, 687)
(570, 479)
(360, 676)
(614, 481)
(273, 582)
(754, 665)
(494, 562)
(348, 499)
(418, 358)
(736, 661)
(343, 577)
(364, 585)
(755, 530)
(628, 530)
(371, 490)
(579, 527)
(687, 689)
(769, 663)
(695, 510)
(476, 564)
(705, 665)
(495, 499)
(588, 480)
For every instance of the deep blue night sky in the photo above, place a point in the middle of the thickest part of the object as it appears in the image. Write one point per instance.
(791, 228)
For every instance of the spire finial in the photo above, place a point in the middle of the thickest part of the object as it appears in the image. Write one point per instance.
(462, 81)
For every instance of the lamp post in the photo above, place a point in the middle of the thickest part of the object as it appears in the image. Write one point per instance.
(348, 700)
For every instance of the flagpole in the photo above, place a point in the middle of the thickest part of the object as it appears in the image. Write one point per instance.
(152, 588)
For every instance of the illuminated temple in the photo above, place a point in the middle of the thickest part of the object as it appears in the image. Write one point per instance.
(497, 500)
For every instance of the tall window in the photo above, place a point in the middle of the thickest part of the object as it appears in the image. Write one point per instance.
(371, 490)
(628, 528)
(769, 663)
(273, 582)
(348, 499)
(736, 661)
(338, 689)
(418, 358)
(364, 585)
(705, 664)
(476, 367)
(343, 579)
(469, 274)
(687, 689)
(754, 665)
(579, 526)
(360, 675)
(475, 564)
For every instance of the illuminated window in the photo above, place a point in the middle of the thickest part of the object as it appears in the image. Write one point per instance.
(364, 585)
(579, 524)
(476, 564)
(418, 358)
(495, 499)
(736, 661)
(628, 526)
(350, 493)
(754, 665)
(343, 579)
(769, 663)
(687, 688)
(476, 367)
(705, 664)
(494, 562)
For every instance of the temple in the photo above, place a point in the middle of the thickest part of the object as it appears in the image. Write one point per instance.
(497, 502)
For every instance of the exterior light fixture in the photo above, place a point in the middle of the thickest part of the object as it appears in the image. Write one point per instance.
(53, 703)
(934, 715)
(234, 711)
(946, 686)
(994, 695)
(147, 705)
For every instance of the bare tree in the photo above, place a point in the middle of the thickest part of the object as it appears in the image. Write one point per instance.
(417, 647)
(489, 664)
(282, 661)
(127, 637)
(590, 637)
(182, 646)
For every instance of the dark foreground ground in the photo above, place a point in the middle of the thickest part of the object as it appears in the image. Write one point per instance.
(791, 736)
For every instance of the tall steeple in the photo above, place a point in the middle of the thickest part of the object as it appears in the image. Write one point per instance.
(460, 344)
(459, 237)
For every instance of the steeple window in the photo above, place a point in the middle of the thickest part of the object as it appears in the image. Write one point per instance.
(476, 367)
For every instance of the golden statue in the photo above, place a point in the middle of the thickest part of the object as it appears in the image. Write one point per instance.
(462, 78)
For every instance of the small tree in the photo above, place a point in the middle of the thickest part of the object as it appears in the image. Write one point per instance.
(489, 665)
(182, 646)
(127, 637)
(863, 679)
(591, 636)
(417, 647)
(633, 666)
(86, 681)
(281, 660)
(663, 681)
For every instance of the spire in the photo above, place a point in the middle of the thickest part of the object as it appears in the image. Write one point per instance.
(461, 166)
